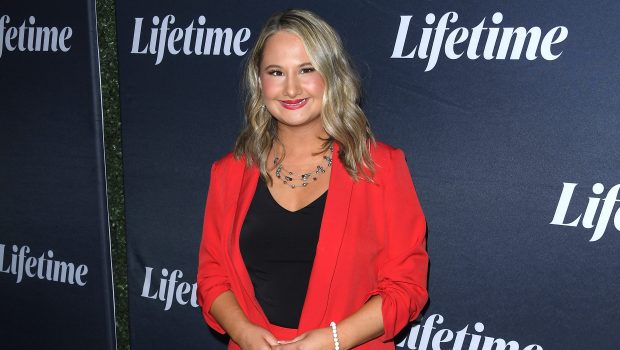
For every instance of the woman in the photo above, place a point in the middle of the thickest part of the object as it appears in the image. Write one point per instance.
(313, 235)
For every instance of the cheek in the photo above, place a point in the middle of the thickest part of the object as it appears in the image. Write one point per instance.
(316, 85)
(268, 87)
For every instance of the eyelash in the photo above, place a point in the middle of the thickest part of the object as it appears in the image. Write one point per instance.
(275, 73)
(278, 73)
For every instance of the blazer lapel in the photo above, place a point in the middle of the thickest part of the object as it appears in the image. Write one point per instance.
(243, 187)
(330, 238)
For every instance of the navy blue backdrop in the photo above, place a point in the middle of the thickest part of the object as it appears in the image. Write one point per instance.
(55, 274)
(505, 153)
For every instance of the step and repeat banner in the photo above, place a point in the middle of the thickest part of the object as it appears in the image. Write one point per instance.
(508, 113)
(55, 274)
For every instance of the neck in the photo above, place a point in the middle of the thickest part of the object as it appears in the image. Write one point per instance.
(301, 142)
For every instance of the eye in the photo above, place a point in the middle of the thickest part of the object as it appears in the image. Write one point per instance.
(306, 70)
(275, 72)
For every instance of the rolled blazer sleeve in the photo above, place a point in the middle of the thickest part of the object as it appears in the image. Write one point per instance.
(212, 277)
(403, 265)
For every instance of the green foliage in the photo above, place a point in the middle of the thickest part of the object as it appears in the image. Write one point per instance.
(106, 22)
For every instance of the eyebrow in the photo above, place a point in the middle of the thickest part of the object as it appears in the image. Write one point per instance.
(271, 66)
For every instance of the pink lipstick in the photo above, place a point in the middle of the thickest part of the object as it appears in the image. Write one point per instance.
(293, 104)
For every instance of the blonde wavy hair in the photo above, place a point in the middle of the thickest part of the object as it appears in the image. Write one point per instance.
(341, 115)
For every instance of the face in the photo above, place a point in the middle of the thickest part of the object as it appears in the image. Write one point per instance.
(292, 89)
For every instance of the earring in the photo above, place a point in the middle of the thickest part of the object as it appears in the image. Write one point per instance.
(262, 108)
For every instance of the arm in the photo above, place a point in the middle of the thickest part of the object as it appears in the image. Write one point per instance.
(220, 308)
(403, 266)
(212, 278)
(226, 310)
(363, 325)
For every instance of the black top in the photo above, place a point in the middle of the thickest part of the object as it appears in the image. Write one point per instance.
(278, 247)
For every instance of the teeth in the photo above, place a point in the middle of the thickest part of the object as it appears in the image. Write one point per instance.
(295, 104)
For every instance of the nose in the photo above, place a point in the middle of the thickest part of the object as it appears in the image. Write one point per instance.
(293, 87)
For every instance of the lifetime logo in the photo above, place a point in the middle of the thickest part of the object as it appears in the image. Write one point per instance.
(163, 38)
(588, 216)
(28, 37)
(169, 290)
(497, 41)
(44, 267)
(466, 338)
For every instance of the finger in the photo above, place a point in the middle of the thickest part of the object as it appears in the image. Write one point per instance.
(271, 340)
(298, 338)
(276, 345)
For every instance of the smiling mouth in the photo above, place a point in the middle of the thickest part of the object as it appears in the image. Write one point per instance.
(294, 104)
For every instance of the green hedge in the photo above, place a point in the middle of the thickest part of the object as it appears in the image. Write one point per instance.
(106, 21)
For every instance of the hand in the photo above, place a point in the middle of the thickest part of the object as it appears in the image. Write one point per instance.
(317, 339)
(253, 337)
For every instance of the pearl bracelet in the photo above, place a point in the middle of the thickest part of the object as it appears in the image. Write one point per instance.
(335, 334)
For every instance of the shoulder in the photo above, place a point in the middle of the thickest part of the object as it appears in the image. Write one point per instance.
(228, 162)
(382, 152)
(389, 162)
(226, 159)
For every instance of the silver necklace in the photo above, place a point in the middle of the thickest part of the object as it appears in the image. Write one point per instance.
(294, 180)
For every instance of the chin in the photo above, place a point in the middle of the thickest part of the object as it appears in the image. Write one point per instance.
(299, 119)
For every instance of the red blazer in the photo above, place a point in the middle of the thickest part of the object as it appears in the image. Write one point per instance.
(371, 242)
